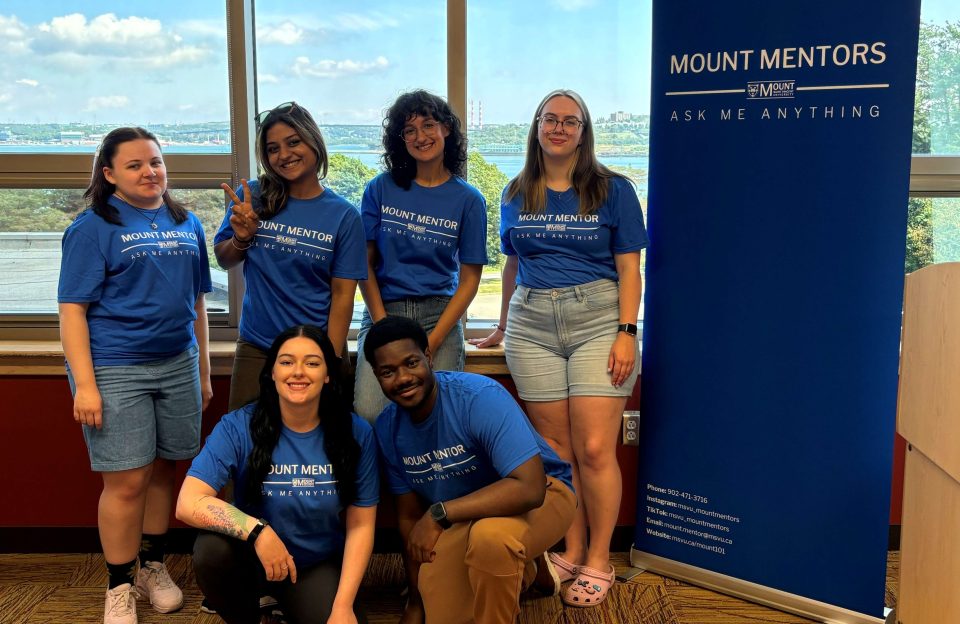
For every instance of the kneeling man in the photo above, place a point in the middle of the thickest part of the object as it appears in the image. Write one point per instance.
(480, 495)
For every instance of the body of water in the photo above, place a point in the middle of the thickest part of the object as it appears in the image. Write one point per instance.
(509, 164)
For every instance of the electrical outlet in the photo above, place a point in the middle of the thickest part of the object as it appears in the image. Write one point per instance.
(631, 428)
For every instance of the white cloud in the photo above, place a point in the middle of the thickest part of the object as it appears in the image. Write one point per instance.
(336, 69)
(28, 82)
(285, 33)
(75, 32)
(107, 101)
(267, 78)
(186, 107)
(142, 40)
(573, 5)
(355, 22)
(5, 97)
(288, 32)
(206, 28)
(14, 37)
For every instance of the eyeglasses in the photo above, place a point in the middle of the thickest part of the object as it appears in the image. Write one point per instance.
(429, 128)
(549, 124)
(280, 108)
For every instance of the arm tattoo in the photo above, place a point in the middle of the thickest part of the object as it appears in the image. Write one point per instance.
(223, 518)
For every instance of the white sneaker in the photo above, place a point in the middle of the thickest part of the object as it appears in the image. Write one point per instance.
(155, 584)
(121, 605)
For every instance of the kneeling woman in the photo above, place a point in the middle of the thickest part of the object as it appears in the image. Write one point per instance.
(299, 460)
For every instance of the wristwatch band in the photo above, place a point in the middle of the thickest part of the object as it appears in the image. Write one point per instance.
(255, 532)
(627, 328)
(439, 515)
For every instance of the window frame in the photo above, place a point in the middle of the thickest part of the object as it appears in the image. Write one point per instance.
(930, 176)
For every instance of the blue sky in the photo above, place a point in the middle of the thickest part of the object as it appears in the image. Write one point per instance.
(139, 62)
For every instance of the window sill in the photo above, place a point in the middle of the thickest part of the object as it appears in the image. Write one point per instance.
(45, 358)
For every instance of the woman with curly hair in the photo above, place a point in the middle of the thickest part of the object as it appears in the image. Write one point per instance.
(426, 232)
(305, 468)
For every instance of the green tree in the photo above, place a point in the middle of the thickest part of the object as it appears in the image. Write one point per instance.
(936, 129)
(937, 100)
(490, 181)
(919, 234)
(348, 177)
(210, 207)
(38, 210)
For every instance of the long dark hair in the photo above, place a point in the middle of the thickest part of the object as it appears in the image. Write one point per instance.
(399, 162)
(100, 189)
(335, 418)
(274, 192)
(590, 179)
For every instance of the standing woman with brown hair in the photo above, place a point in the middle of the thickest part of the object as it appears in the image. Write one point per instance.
(301, 245)
(134, 331)
(573, 231)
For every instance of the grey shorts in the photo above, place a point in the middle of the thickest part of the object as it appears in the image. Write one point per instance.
(558, 341)
(150, 410)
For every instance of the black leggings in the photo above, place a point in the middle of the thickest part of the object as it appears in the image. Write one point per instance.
(231, 577)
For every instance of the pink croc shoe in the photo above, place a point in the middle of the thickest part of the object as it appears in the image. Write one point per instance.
(589, 588)
(565, 569)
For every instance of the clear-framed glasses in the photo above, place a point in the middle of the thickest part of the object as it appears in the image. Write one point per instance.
(549, 123)
(279, 108)
(429, 128)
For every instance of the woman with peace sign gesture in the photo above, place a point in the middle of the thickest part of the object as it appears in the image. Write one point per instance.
(301, 245)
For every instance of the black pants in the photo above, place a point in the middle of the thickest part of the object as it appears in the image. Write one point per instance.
(232, 578)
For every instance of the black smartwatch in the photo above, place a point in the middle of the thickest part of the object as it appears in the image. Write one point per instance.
(627, 328)
(255, 532)
(439, 515)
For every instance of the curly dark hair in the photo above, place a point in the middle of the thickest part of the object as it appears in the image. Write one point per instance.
(336, 418)
(396, 158)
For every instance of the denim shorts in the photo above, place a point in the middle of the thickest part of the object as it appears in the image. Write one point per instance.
(368, 399)
(150, 411)
(558, 341)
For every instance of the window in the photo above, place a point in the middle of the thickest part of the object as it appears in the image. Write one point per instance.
(346, 65)
(610, 35)
(933, 214)
(70, 71)
(68, 76)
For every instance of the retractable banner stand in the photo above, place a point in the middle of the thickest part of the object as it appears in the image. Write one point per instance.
(780, 154)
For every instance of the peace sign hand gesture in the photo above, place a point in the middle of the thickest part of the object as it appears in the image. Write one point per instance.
(243, 220)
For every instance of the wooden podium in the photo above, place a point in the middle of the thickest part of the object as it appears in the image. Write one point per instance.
(928, 417)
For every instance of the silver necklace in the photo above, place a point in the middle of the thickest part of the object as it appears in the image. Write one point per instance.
(143, 213)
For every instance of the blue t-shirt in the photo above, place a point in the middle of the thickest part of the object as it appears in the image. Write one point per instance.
(559, 247)
(423, 235)
(299, 494)
(475, 436)
(141, 284)
(295, 254)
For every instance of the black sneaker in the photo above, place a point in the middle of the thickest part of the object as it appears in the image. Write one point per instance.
(205, 606)
(270, 612)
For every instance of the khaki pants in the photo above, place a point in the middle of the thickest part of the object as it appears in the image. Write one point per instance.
(478, 572)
